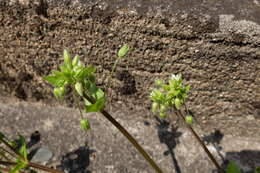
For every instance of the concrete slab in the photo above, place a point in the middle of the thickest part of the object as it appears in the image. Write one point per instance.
(104, 149)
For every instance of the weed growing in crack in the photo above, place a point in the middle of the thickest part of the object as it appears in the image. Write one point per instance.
(172, 95)
(83, 81)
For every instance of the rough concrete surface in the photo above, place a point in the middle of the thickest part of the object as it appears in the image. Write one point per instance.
(213, 44)
(104, 149)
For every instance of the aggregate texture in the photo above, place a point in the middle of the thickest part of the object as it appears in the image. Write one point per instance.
(215, 49)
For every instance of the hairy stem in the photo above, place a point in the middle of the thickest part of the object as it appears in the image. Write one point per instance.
(212, 158)
(128, 136)
(77, 102)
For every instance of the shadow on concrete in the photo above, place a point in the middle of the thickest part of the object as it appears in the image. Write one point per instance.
(247, 160)
(214, 139)
(76, 161)
(169, 136)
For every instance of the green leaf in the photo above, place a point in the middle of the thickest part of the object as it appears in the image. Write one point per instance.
(96, 107)
(54, 80)
(85, 72)
(233, 168)
(23, 150)
(79, 88)
(177, 103)
(96, 92)
(257, 169)
(189, 119)
(84, 123)
(156, 95)
(18, 167)
(87, 103)
(123, 51)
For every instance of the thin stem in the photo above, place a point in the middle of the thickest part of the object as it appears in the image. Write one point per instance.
(6, 151)
(212, 158)
(112, 73)
(11, 148)
(34, 165)
(128, 136)
(77, 102)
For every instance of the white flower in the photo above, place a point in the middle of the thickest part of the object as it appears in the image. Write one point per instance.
(176, 77)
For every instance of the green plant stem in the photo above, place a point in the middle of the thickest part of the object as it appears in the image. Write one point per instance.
(11, 148)
(77, 102)
(7, 170)
(212, 158)
(112, 73)
(34, 165)
(128, 136)
(6, 151)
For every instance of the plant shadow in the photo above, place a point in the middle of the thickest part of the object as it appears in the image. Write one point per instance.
(247, 160)
(76, 161)
(169, 136)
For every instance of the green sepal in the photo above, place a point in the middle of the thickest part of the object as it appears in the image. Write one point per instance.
(96, 107)
(86, 102)
(123, 51)
(67, 59)
(22, 149)
(55, 81)
(233, 168)
(79, 88)
(84, 123)
(85, 72)
(75, 61)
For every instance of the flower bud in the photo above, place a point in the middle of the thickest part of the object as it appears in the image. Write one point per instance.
(59, 92)
(85, 124)
(79, 88)
(189, 119)
(75, 61)
(162, 114)
(158, 82)
(155, 107)
(67, 59)
(163, 108)
(177, 103)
